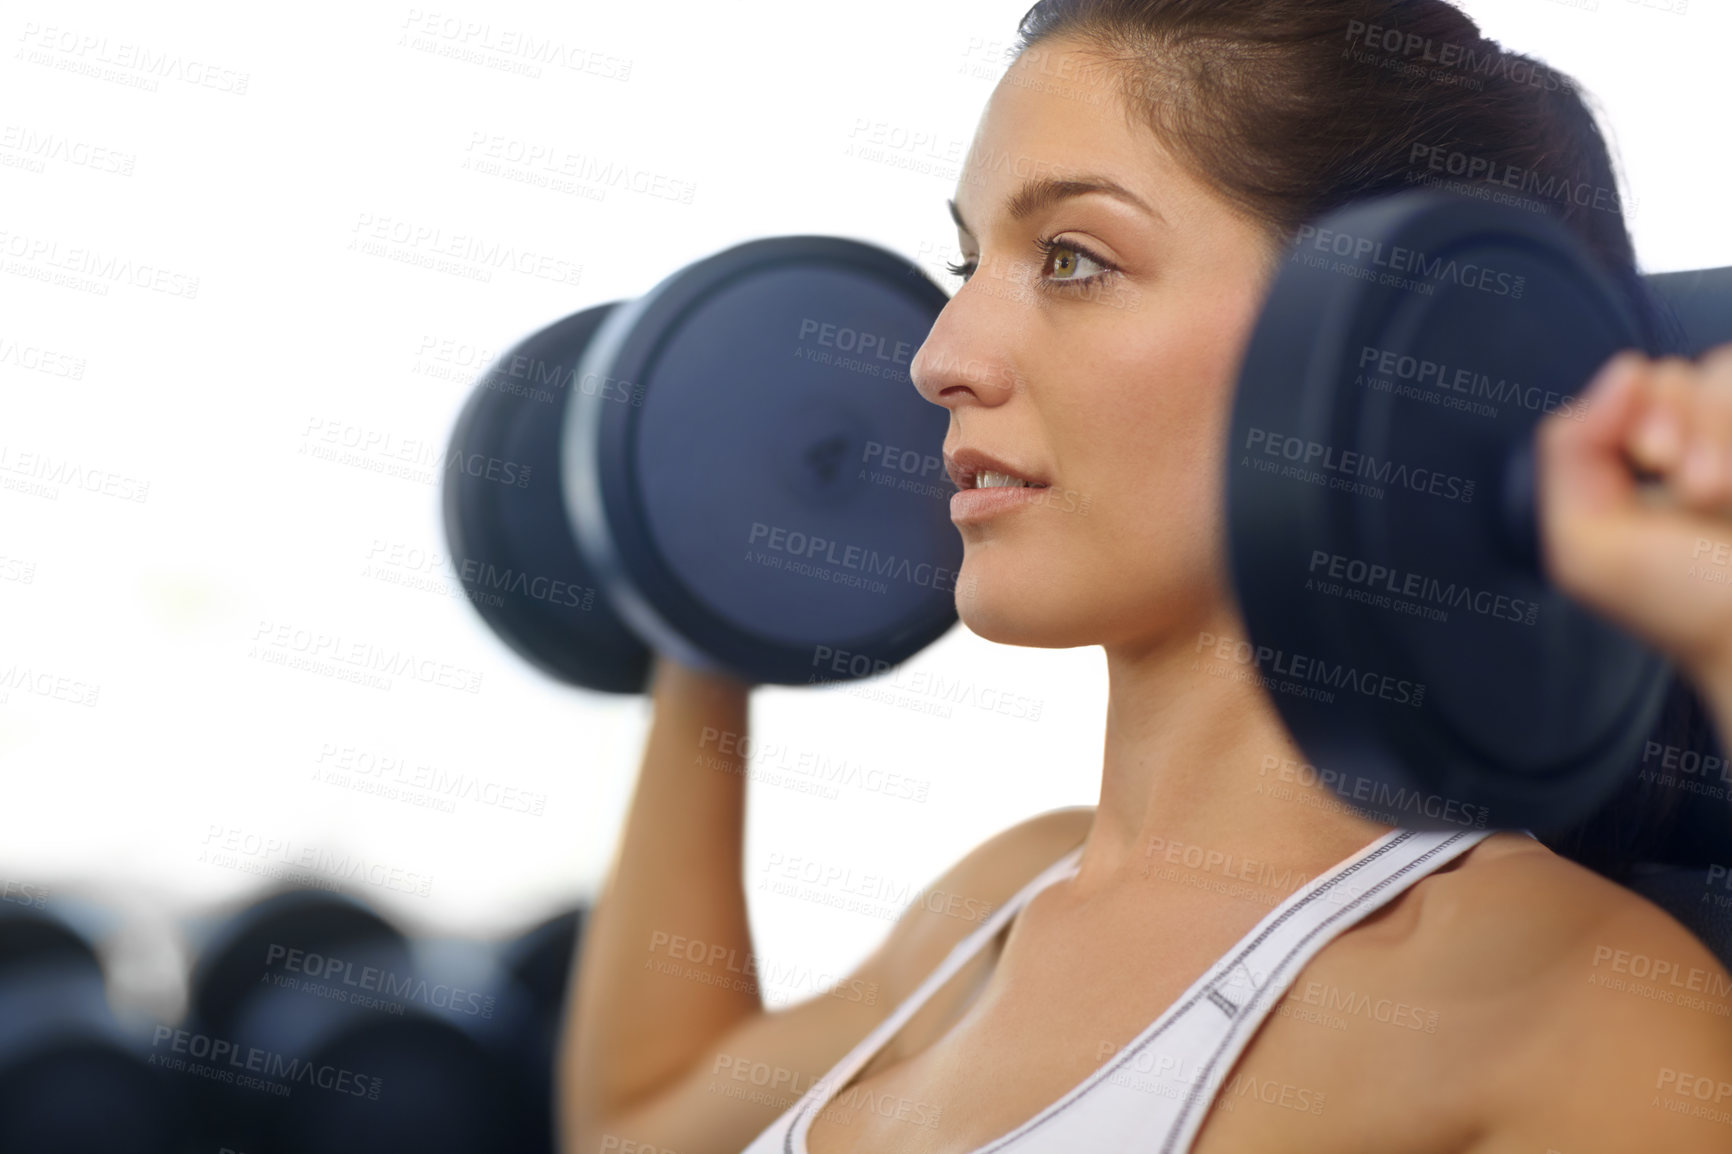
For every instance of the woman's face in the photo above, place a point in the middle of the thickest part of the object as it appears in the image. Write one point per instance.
(1103, 366)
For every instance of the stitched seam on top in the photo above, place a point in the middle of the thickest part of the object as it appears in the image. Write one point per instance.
(1177, 1011)
(1237, 1027)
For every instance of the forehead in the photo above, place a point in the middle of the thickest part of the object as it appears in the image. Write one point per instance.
(1060, 113)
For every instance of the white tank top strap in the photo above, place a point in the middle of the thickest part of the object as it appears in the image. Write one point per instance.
(820, 1091)
(1214, 1020)
(1154, 1094)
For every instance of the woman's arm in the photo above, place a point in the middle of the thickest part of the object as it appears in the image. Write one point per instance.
(652, 1056)
(631, 1028)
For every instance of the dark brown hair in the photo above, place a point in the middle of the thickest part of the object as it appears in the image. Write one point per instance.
(1290, 109)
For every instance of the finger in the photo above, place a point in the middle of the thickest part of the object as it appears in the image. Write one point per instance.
(1659, 439)
(1705, 477)
(1585, 456)
(1717, 360)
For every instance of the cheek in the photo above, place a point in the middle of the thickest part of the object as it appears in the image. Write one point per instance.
(1168, 412)
(1154, 450)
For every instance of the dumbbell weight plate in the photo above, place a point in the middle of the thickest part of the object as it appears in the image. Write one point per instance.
(1395, 603)
(517, 561)
(73, 1078)
(286, 977)
(751, 473)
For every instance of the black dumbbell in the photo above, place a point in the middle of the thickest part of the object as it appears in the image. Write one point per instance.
(540, 962)
(72, 1078)
(315, 1027)
(733, 469)
(1381, 517)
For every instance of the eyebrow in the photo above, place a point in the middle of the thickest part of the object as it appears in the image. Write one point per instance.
(1043, 192)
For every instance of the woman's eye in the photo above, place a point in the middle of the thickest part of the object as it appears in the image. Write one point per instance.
(1069, 263)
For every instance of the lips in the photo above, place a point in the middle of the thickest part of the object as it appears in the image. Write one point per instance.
(965, 465)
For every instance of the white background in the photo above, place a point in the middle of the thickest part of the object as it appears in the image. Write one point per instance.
(754, 106)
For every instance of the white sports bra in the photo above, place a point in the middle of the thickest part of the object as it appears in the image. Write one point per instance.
(1154, 1094)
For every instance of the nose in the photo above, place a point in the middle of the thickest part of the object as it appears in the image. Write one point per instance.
(966, 358)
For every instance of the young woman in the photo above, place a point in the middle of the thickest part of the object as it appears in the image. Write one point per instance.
(1218, 957)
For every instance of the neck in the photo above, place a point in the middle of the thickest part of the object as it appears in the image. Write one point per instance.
(1202, 784)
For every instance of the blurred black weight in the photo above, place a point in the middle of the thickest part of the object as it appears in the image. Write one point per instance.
(72, 1078)
(733, 469)
(327, 1034)
(1381, 519)
(540, 962)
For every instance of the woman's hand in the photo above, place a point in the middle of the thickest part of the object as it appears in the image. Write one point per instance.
(1661, 569)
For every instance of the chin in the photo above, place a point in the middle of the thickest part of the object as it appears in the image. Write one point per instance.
(1016, 614)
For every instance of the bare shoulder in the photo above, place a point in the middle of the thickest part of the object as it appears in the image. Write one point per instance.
(965, 895)
(1518, 912)
(1605, 1023)
(1001, 865)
